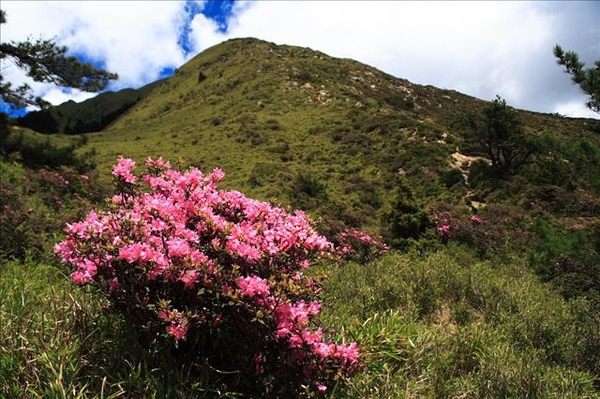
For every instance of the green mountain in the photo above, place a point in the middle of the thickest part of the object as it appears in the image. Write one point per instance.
(506, 305)
(91, 115)
(339, 138)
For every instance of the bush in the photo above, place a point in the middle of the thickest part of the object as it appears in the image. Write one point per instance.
(214, 275)
(359, 246)
(36, 153)
(496, 230)
(407, 222)
(452, 177)
(34, 204)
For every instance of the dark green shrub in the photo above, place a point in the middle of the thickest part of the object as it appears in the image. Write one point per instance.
(308, 185)
(35, 204)
(406, 222)
(502, 138)
(451, 177)
(36, 153)
(569, 258)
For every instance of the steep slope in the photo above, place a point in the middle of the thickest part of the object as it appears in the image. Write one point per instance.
(91, 115)
(324, 134)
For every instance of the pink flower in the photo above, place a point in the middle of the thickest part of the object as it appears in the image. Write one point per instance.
(189, 278)
(321, 388)
(123, 170)
(251, 286)
(444, 229)
(81, 277)
(178, 331)
(475, 219)
(113, 284)
(178, 231)
(178, 247)
(259, 360)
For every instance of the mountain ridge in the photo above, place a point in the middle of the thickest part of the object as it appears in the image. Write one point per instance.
(325, 134)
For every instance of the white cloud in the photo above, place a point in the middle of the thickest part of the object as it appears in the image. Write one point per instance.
(57, 96)
(478, 48)
(135, 39)
(204, 33)
(575, 109)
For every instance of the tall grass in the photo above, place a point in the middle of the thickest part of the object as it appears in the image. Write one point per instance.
(444, 324)
(58, 341)
(45, 327)
(448, 324)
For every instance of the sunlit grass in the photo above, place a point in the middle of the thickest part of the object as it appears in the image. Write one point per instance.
(443, 324)
(449, 325)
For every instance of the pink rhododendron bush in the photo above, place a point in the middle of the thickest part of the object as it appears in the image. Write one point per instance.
(215, 274)
(359, 246)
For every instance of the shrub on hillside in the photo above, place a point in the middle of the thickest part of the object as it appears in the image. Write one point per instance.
(406, 222)
(215, 274)
(495, 231)
(570, 258)
(359, 246)
(44, 153)
(34, 204)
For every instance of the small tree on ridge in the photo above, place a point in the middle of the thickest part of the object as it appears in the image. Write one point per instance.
(502, 138)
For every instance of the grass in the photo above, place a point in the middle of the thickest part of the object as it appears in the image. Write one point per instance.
(44, 325)
(449, 325)
(442, 324)
(329, 136)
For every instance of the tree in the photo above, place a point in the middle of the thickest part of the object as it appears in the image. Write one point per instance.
(406, 222)
(44, 61)
(587, 79)
(502, 138)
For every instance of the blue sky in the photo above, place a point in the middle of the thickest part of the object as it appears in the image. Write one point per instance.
(478, 48)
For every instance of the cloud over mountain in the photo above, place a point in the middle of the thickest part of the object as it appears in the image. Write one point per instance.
(479, 48)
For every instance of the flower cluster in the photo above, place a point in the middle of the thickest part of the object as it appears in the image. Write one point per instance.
(359, 246)
(443, 221)
(189, 259)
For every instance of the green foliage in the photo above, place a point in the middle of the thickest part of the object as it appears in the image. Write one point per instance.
(442, 324)
(567, 164)
(587, 79)
(495, 231)
(502, 139)
(569, 257)
(447, 325)
(407, 221)
(47, 335)
(44, 61)
(35, 204)
(308, 185)
(42, 152)
(451, 177)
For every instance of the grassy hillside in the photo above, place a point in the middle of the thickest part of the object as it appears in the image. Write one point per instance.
(88, 116)
(508, 307)
(328, 135)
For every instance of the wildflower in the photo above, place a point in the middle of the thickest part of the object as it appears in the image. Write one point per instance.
(123, 170)
(251, 286)
(226, 250)
(444, 231)
(178, 331)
